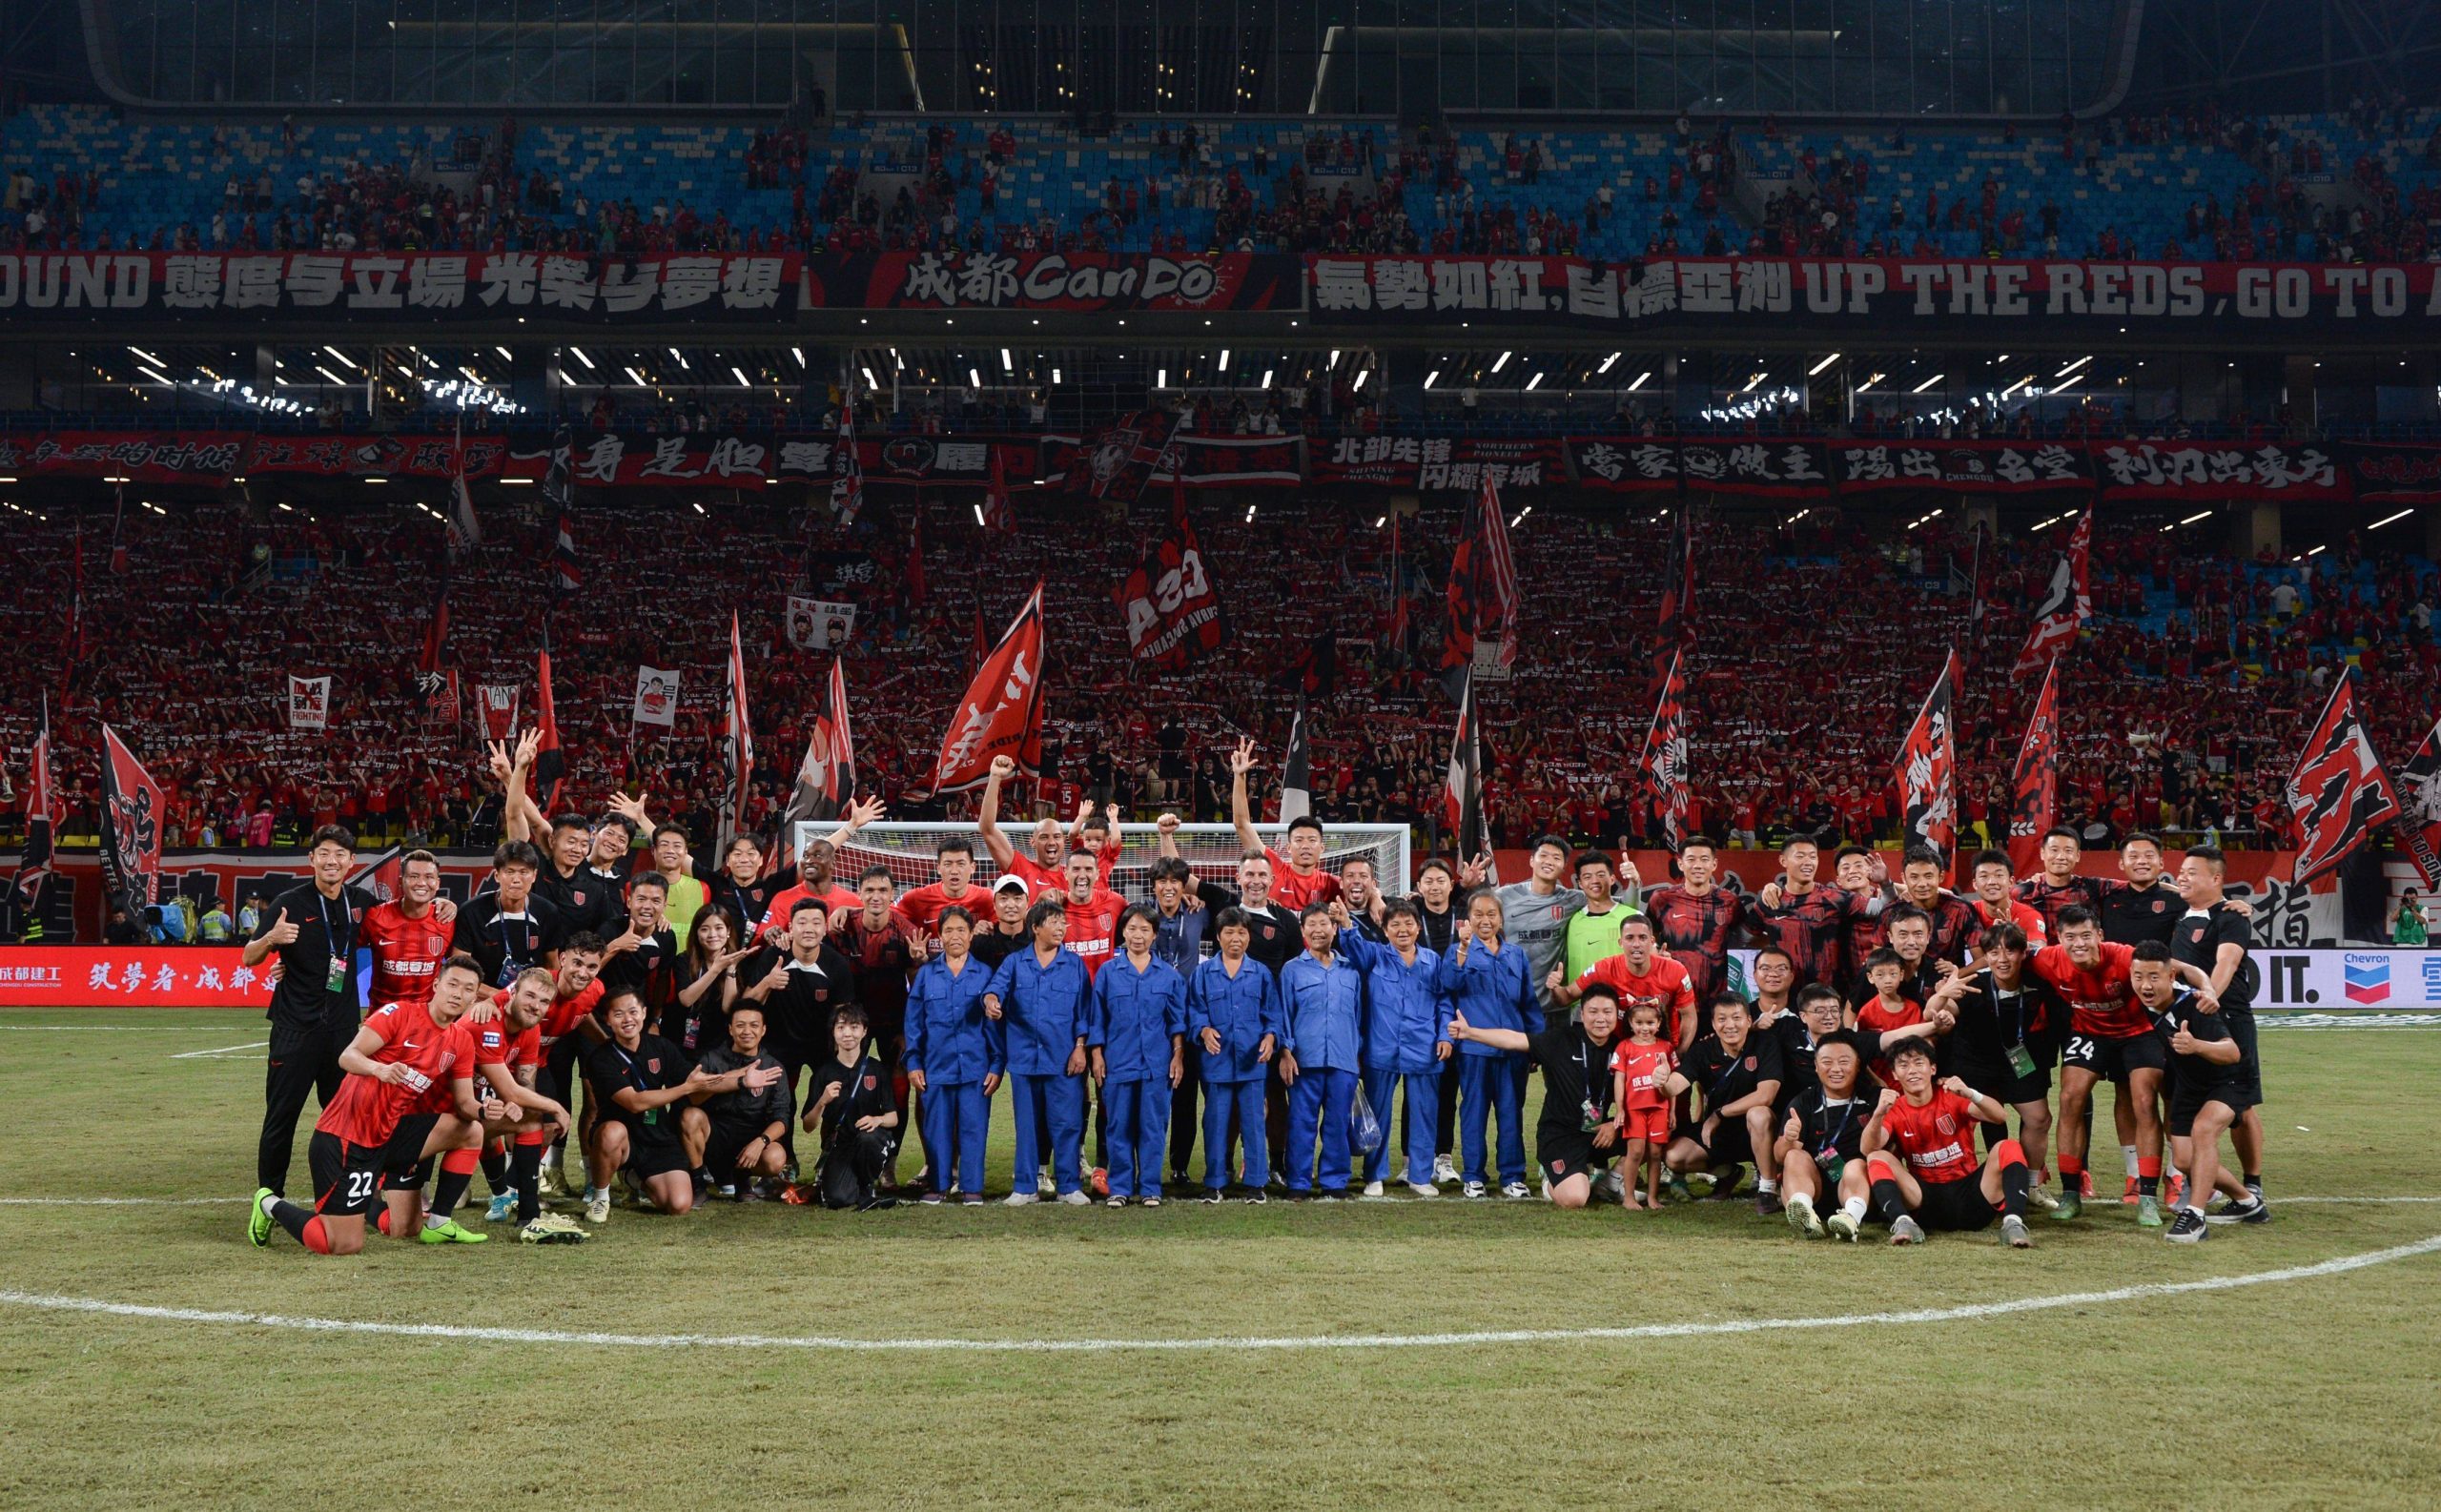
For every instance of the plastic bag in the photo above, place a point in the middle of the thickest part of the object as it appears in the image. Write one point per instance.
(1364, 1130)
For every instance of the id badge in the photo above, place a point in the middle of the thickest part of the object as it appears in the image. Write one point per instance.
(336, 977)
(2020, 1060)
(1831, 1166)
(1593, 1119)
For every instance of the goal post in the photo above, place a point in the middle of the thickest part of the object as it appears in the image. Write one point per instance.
(906, 850)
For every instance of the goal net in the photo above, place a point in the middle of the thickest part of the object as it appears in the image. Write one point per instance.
(1211, 851)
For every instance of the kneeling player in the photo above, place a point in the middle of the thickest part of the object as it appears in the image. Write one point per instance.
(403, 1053)
(1822, 1147)
(2209, 1091)
(509, 1053)
(1919, 1157)
(650, 1129)
(1740, 1074)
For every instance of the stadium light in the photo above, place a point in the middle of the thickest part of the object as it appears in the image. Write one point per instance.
(1816, 371)
(2063, 386)
(1334, 357)
(1266, 378)
(2314, 551)
(344, 357)
(505, 355)
(796, 352)
(2391, 520)
(870, 381)
(1501, 363)
(325, 372)
(578, 353)
(1754, 383)
(978, 513)
(1606, 364)
(676, 356)
(1379, 523)
(1162, 378)
(2073, 366)
(1055, 375)
(1224, 359)
(1534, 382)
(1008, 363)
(1429, 377)
(1928, 384)
(637, 376)
(2205, 514)
(1368, 372)
(146, 356)
(739, 373)
(974, 377)
(1639, 382)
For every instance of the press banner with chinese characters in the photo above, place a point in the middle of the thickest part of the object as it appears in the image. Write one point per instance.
(209, 458)
(401, 287)
(130, 977)
(1888, 296)
(1085, 281)
(1440, 464)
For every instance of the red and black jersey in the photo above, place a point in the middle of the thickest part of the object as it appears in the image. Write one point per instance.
(406, 952)
(1937, 1139)
(883, 962)
(1863, 934)
(1812, 926)
(2039, 894)
(2101, 1000)
(1695, 929)
(366, 1110)
(1955, 925)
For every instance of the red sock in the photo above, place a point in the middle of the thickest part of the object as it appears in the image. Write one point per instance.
(2070, 1168)
(2148, 1166)
(2010, 1152)
(315, 1237)
(381, 1220)
(461, 1162)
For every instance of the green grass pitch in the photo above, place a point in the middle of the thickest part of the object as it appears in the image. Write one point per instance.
(2308, 1391)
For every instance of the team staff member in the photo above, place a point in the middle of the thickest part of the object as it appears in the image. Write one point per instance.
(408, 935)
(883, 949)
(1578, 1131)
(511, 927)
(2208, 1085)
(1821, 1145)
(402, 1051)
(955, 1059)
(650, 1129)
(2217, 938)
(747, 1125)
(1740, 1074)
(2003, 1033)
(314, 930)
(642, 957)
(799, 984)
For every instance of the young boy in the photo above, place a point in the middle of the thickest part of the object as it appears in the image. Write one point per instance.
(1645, 1079)
(1888, 1007)
(1919, 1157)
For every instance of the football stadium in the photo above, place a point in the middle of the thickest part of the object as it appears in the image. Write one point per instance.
(1659, 750)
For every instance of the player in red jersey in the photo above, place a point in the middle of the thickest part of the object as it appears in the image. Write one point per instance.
(1803, 917)
(403, 1053)
(1044, 870)
(1695, 916)
(1639, 974)
(406, 935)
(2110, 1037)
(1919, 1157)
(510, 1058)
(954, 868)
(1994, 904)
(565, 1029)
(1298, 877)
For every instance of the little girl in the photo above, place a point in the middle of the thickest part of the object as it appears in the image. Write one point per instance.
(1644, 1077)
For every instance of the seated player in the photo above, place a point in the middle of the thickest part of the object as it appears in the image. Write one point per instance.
(650, 1130)
(1739, 1075)
(1919, 1157)
(370, 1130)
(1644, 1080)
(742, 1151)
(850, 1100)
(508, 1056)
(1578, 1131)
(2209, 1089)
(1821, 1143)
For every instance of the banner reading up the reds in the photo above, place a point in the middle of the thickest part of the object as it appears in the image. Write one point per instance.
(1001, 713)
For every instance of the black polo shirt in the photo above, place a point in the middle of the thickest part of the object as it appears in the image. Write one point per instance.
(306, 996)
(507, 944)
(2133, 915)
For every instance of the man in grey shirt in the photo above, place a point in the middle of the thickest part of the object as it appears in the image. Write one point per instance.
(1534, 912)
(748, 1128)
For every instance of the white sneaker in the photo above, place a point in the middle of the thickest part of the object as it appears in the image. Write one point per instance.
(1443, 1169)
(1373, 1189)
(1021, 1200)
(1473, 1190)
(597, 1206)
(1516, 1190)
(1610, 1185)
(1423, 1191)
(1075, 1200)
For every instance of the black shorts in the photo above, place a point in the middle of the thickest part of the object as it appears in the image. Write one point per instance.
(1994, 1079)
(722, 1150)
(404, 1166)
(2241, 1026)
(1957, 1206)
(646, 1161)
(345, 1176)
(1563, 1158)
(1729, 1144)
(2185, 1104)
(2111, 1059)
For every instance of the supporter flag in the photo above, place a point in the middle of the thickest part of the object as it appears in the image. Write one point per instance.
(656, 697)
(2420, 795)
(982, 643)
(1173, 615)
(1115, 463)
(847, 468)
(118, 536)
(998, 512)
(1483, 586)
(431, 678)
(309, 702)
(445, 707)
(2065, 607)
(1461, 799)
(130, 827)
(2034, 789)
(737, 740)
(498, 702)
(1398, 594)
(558, 491)
(1675, 623)
(465, 531)
(2339, 790)
(551, 765)
(33, 862)
(915, 555)
(1296, 772)
(1663, 761)
(1000, 713)
(828, 774)
(1927, 769)
(1315, 671)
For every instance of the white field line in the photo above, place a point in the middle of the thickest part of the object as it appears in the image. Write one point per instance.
(220, 1051)
(1965, 1313)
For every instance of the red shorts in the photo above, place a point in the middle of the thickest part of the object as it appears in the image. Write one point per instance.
(1650, 1124)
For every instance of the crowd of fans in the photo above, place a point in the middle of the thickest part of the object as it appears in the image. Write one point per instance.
(2180, 708)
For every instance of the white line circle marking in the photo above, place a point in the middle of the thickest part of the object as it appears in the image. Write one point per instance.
(1965, 1312)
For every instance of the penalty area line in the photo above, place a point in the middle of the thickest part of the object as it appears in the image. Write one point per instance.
(1962, 1313)
(219, 1049)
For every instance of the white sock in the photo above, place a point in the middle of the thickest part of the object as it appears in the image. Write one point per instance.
(2127, 1153)
(1766, 1185)
(2196, 1208)
(1854, 1207)
(270, 1201)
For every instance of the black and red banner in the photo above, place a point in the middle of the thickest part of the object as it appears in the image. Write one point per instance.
(2393, 472)
(132, 814)
(2034, 782)
(1926, 769)
(2419, 822)
(1440, 464)
(1962, 467)
(1001, 711)
(140, 456)
(395, 287)
(1116, 462)
(1663, 762)
(377, 456)
(2137, 471)
(2338, 791)
(1173, 615)
(1089, 282)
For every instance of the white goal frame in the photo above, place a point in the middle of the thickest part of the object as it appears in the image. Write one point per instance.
(1210, 850)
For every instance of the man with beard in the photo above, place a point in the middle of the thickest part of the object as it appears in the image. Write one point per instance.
(1696, 917)
(1637, 975)
(1804, 917)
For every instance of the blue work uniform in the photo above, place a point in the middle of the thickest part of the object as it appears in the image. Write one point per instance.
(1491, 990)
(1045, 1010)
(1242, 1008)
(1138, 1019)
(1405, 1019)
(956, 1047)
(1324, 1005)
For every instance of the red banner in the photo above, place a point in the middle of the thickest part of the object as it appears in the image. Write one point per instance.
(375, 456)
(2035, 782)
(1001, 713)
(1172, 616)
(2338, 791)
(1086, 281)
(1441, 463)
(2393, 473)
(137, 976)
(140, 456)
(1926, 769)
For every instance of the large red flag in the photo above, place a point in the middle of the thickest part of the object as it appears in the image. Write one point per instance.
(997, 511)
(1483, 585)
(828, 774)
(2419, 827)
(1173, 614)
(2339, 790)
(1663, 761)
(737, 740)
(33, 862)
(1675, 624)
(2065, 607)
(551, 765)
(130, 827)
(1001, 712)
(1926, 770)
(2034, 787)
